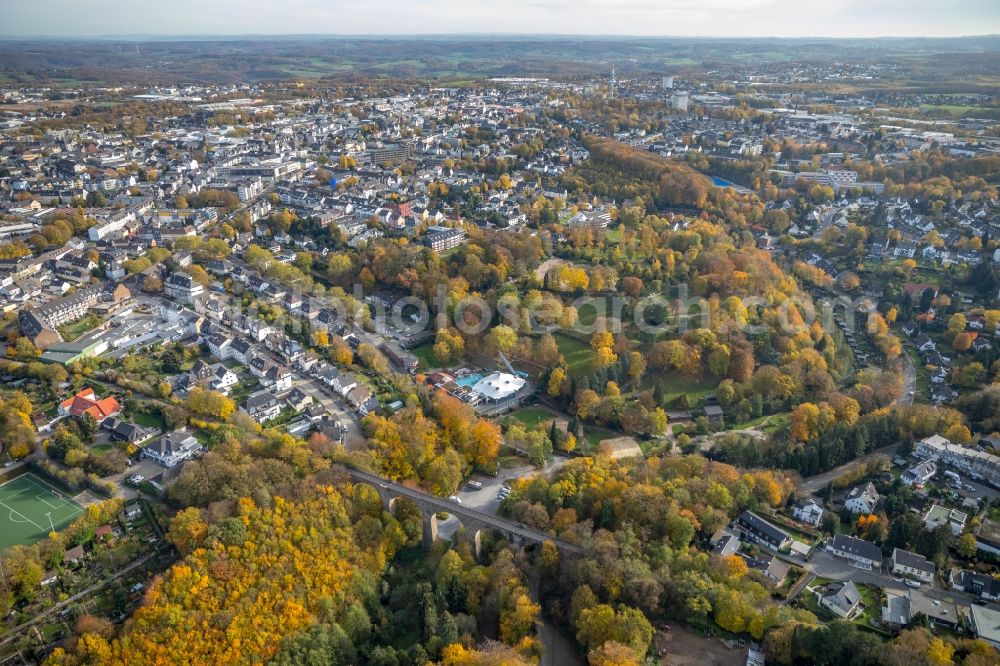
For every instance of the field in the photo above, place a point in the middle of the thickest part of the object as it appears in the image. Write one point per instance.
(578, 354)
(533, 416)
(78, 328)
(673, 384)
(426, 355)
(30, 509)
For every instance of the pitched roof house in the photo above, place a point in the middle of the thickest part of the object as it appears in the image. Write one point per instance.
(87, 402)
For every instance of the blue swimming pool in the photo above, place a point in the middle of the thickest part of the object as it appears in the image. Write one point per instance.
(469, 380)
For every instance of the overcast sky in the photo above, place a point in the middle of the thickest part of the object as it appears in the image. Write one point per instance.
(786, 18)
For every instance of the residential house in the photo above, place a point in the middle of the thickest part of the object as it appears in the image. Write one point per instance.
(808, 511)
(369, 406)
(173, 448)
(183, 288)
(939, 515)
(773, 568)
(761, 531)
(911, 565)
(223, 378)
(220, 346)
(262, 406)
(298, 399)
(357, 396)
(924, 343)
(344, 383)
(860, 553)
(841, 599)
(279, 378)
(862, 499)
(919, 474)
(982, 585)
(239, 350)
(122, 431)
(726, 544)
(86, 402)
(985, 624)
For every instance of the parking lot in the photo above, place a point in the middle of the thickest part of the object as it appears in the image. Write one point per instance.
(487, 498)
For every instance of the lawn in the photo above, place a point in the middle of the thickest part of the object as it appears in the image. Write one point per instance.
(425, 353)
(533, 416)
(674, 384)
(923, 379)
(953, 109)
(589, 312)
(147, 420)
(76, 329)
(594, 435)
(578, 354)
(770, 423)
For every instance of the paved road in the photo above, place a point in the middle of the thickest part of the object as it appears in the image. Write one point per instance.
(826, 219)
(824, 564)
(801, 585)
(440, 504)
(814, 484)
(909, 380)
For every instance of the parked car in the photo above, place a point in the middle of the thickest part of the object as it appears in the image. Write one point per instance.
(455, 498)
(475, 485)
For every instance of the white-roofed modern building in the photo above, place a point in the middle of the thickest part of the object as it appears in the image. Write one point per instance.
(499, 391)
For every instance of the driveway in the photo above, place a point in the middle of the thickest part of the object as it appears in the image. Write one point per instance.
(148, 468)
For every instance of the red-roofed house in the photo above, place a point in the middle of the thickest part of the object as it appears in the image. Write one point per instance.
(86, 402)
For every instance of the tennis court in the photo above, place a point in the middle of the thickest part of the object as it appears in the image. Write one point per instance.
(31, 508)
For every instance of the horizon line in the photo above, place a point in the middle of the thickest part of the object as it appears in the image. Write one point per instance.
(478, 34)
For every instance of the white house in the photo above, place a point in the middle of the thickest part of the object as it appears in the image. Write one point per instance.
(223, 378)
(860, 553)
(279, 377)
(911, 565)
(862, 499)
(841, 599)
(919, 474)
(172, 448)
(941, 515)
(262, 406)
(808, 511)
(344, 383)
(220, 346)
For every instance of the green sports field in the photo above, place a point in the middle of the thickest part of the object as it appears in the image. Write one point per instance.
(31, 508)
